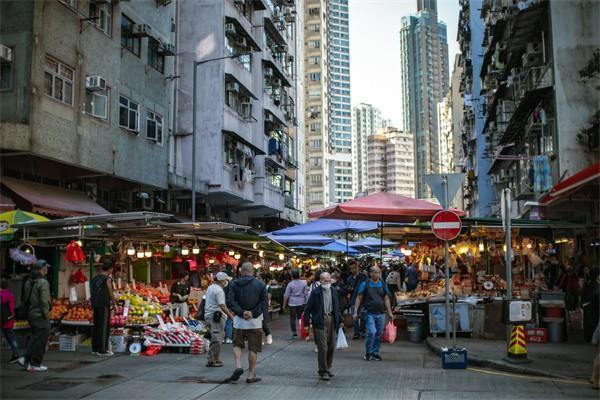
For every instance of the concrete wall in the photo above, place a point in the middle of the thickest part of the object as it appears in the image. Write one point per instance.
(66, 133)
(575, 36)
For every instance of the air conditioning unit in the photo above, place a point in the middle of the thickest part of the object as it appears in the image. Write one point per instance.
(167, 49)
(241, 42)
(141, 30)
(5, 53)
(230, 29)
(94, 83)
(232, 87)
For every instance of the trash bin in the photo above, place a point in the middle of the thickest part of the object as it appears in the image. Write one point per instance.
(414, 328)
(556, 332)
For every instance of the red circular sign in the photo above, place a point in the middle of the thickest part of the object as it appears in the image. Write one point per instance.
(446, 225)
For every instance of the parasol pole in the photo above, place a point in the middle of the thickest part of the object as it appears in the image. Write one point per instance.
(381, 242)
(446, 268)
(346, 243)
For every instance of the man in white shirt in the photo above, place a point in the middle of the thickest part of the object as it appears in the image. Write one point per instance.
(247, 299)
(215, 312)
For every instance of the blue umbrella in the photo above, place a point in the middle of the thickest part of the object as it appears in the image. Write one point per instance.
(328, 227)
(374, 242)
(301, 239)
(336, 247)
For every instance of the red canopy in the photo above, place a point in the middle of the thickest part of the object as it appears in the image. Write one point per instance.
(573, 182)
(382, 206)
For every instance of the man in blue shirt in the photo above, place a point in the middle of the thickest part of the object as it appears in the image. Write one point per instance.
(374, 296)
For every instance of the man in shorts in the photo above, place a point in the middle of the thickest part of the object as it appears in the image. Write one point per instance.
(247, 300)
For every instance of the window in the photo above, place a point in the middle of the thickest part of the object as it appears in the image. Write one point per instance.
(316, 196)
(316, 161)
(155, 59)
(96, 103)
(154, 127)
(129, 114)
(314, 27)
(315, 76)
(6, 68)
(316, 179)
(315, 127)
(128, 41)
(238, 100)
(103, 15)
(315, 143)
(313, 11)
(274, 177)
(58, 81)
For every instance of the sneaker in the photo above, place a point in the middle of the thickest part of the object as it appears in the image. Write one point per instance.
(324, 377)
(41, 368)
(367, 357)
(269, 339)
(21, 361)
(108, 353)
(316, 349)
(228, 341)
(14, 359)
(376, 357)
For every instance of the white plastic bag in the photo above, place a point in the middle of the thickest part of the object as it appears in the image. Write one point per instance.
(341, 340)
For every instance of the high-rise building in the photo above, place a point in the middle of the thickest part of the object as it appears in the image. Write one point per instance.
(366, 121)
(457, 101)
(318, 143)
(249, 115)
(445, 140)
(340, 105)
(424, 77)
(390, 162)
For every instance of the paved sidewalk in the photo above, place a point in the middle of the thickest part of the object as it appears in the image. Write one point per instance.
(558, 360)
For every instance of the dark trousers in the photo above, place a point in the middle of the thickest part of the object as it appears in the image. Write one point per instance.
(36, 348)
(326, 341)
(265, 327)
(100, 330)
(11, 338)
(295, 313)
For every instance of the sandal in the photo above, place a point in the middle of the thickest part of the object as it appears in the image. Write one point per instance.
(236, 374)
(253, 380)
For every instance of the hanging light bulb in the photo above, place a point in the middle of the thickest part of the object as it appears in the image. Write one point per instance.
(255, 246)
(281, 256)
(231, 253)
(481, 248)
(196, 249)
(79, 242)
(140, 253)
(504, 247)
(256, 266)
(237, 256)
(148, 252)
(529, 245)
(131, 250)
(185, 251)
(211, 260)
(167, 248)
(261, 253)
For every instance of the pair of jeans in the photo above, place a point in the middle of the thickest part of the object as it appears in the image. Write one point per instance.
(229, 329)
(360, 323)
(295, 314)
(36, 348)
(100, 331)
(11, 338)
(375, 325)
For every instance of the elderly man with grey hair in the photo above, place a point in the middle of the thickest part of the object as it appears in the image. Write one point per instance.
(247, 300)
(323, 309)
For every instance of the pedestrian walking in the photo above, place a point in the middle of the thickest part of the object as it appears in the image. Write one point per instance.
(247, 300)
(7, 301)
(101, 298)
(36, 293)
(323, 309)
(353, 282)
(229, 321)
(374, 296)
(180, 292)
(294, 298)
(215, 315)
(265, 326)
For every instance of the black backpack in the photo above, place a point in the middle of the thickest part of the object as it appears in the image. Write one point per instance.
(22, 311)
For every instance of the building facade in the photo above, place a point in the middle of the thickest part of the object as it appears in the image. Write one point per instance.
(445, 139)
(457, 103)
(86, 102)
(340, 104)
(424, 77)
(366, 121)
(318, 144)
(249, 124)
(390, 162)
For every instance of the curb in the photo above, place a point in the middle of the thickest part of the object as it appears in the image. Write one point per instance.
(499, 365)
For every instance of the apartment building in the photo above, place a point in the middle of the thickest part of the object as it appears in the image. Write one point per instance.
(248, 123)
(424, 78)
(540, 105)
(366, 121)
(86, 104)
(456, 108)
(390, 162)
(319, 166)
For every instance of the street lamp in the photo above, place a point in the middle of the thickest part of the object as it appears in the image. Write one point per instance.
(196, 64)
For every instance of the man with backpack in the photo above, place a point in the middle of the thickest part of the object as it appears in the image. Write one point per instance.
(374, 296)
(102, 295)
(36, 307)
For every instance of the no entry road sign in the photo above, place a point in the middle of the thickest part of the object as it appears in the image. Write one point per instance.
(446, 225)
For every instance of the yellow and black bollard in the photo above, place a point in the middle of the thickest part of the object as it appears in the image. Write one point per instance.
(517, 347)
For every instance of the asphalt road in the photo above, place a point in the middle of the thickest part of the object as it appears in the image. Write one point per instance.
(288, 369)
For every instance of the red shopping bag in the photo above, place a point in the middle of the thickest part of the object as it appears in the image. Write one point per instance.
(302, 328)
(389, 333)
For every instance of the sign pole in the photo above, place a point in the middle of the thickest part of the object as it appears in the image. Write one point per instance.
(507, 256)
(446, 266)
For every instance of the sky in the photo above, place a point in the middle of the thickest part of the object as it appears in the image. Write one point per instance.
(375, 49)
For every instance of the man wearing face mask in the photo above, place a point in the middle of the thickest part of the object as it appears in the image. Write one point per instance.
(215, 307)
(101, 297)
(323, 309)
